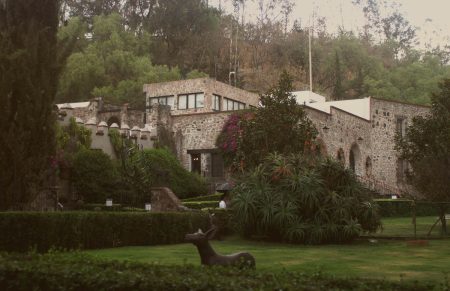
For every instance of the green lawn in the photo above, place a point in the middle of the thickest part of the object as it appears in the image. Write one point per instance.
(381, 259)
(403, 227)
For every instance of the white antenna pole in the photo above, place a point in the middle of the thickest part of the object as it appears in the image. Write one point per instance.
(310, 59)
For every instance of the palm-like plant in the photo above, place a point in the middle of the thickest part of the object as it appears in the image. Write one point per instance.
(300, 199)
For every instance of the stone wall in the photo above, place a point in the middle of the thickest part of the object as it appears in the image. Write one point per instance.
(197, 132)
(384, 115)
(372, 141)
(163, 200)
(100, 133)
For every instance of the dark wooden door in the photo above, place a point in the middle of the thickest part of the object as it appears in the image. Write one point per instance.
(196, 163)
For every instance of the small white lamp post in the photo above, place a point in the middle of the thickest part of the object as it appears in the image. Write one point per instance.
(109, 202)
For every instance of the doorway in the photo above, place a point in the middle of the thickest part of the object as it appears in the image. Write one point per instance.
(196, 163)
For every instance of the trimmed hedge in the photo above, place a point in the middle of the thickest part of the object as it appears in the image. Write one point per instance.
(212, 197)
(402, 208)
(74, 271)
(100, 206)
(21, 231)
(201, 204)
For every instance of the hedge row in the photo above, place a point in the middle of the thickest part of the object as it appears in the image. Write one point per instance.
(213, 197)
(201, 204)
(21, 231)
(74, 271)
(402, 208)
(100, 206)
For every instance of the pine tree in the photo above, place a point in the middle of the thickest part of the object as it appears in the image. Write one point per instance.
(28, 80)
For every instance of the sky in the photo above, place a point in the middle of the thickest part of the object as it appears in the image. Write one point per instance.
(431, 17)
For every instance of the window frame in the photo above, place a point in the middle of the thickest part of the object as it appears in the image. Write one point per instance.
(233, 105)
(160, 98)
(191, 100)
(217, 102)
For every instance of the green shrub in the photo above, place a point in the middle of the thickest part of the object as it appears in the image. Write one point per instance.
(21, 231)
(95, 176)
(302, 199)
(103, 207)
(74, 271)
(212, 197)
(201, 204)
(161, 168)
(403, 208)
(222, 219)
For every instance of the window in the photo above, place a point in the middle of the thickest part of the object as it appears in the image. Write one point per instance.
(401, 126)
(216, 102)
(163, 100)
(402, 170)
(191, 101)
(230, 104)
(182, 101)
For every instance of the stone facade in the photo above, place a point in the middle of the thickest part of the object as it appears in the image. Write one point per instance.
(163, 199)
(207, 86)
(196, 129)
(368, 145)
(360, 133)
(97, 122)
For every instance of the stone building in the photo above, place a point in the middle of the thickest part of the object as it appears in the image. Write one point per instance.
(195, 112)
(360, 132)
(100, 119)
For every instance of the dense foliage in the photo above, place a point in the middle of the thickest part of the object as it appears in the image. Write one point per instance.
(22, 231)
(111, 62)
(75, 271)
(298, 199)
(278, 125)
(382, 58)
(426, 146)
(159, 167)
(94, 175)
(28, 80)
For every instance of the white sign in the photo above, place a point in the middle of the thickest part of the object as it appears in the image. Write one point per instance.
(109, 202)
(148, 206)
(394, 197)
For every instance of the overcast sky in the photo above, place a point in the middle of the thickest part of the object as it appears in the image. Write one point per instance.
(431, 17)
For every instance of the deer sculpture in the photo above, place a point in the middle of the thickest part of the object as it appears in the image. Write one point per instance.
(209, 257)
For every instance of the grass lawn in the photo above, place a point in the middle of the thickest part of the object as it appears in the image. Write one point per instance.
(403, 227)
(382, 259)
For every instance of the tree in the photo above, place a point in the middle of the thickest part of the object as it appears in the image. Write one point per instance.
(426, 146)
(278, 125)
(28, 81)
(114, 64)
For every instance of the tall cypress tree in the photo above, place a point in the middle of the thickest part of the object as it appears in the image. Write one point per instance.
(28, 80)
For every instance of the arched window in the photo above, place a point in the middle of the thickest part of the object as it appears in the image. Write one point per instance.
(354, 157)
(368, 167)
(340, 156)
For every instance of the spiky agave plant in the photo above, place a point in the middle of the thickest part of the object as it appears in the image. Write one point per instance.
(318, 202)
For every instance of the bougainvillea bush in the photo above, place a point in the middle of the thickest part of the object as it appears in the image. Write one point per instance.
(302, 199)
(278, 125)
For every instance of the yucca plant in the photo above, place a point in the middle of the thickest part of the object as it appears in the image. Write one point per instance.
(308, 200)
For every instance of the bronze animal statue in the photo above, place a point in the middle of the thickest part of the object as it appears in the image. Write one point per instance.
(209, 257)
